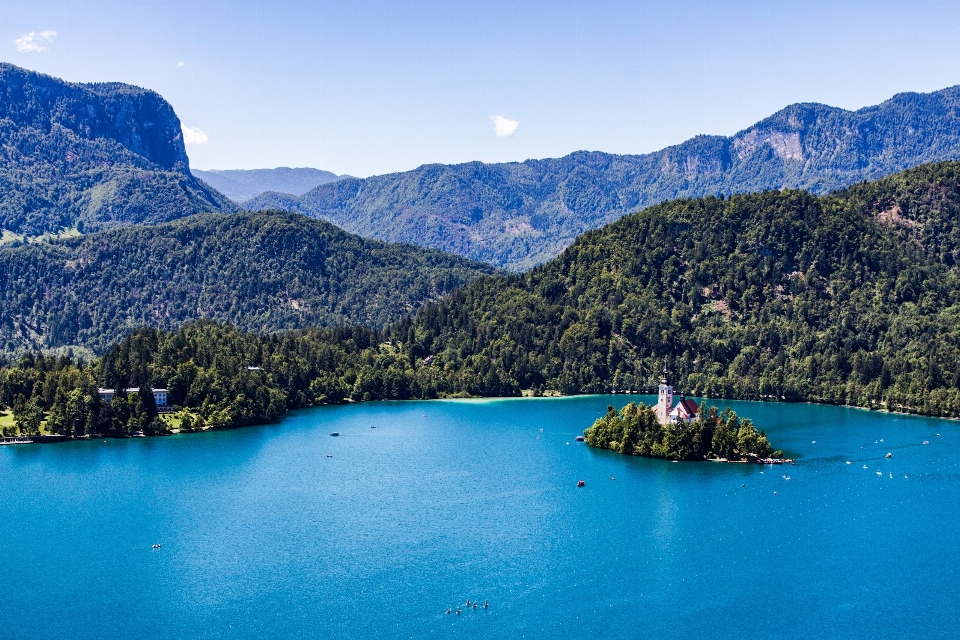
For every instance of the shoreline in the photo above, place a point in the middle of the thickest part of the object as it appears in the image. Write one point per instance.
(55, 438)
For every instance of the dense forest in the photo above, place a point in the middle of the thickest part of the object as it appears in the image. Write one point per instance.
(261, 272)
(846, 298)
(520, 214)
(91, 156)
(635, 431)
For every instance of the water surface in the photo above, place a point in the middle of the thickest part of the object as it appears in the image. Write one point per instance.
(265, 536)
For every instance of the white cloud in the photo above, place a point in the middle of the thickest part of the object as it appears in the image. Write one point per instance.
(505, 127)
(34, 42)
(180, 64)
(193, 135)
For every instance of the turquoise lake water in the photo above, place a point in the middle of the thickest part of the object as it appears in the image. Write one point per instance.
(265, 536)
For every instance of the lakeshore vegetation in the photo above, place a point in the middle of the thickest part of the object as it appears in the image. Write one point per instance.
(218, 376)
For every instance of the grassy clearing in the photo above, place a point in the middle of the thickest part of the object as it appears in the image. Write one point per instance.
(9, 237)
(71, 351)
(175, 420)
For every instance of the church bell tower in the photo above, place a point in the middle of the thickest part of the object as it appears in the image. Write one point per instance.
(665, 399)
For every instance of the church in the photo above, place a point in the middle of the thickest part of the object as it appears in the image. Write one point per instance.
(684, 411)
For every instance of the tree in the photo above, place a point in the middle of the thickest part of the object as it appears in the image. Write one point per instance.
(147, 401)
(27, 417)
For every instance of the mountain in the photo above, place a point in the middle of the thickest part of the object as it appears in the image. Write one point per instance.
(261, 272)
(850, 298)
(520, 214)
(847, 298)
(91, 156)
(242, 184)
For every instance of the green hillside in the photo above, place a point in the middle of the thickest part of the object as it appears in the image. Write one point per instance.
(261, 272)
(91, 156)
(849, 298)
(520, 214)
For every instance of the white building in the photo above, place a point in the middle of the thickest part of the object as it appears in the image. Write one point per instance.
(684, 411)
(159, 395)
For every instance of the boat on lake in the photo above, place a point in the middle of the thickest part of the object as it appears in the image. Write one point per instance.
(335, 433)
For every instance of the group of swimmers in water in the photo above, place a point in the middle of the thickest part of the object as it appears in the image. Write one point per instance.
(486, 605)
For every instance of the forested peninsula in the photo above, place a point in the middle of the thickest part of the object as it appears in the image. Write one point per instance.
(851, 298)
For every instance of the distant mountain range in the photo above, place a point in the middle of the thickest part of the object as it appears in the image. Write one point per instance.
(243, 184)
(261, 272)
(519, 214)
(91, 156)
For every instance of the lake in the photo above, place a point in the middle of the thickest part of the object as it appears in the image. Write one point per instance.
(265, 536)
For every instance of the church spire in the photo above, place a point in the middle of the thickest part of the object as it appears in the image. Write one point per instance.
(665, 398)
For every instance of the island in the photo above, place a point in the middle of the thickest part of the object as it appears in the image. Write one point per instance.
(685, 431)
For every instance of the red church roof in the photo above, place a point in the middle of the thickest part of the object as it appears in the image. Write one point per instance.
(688, 407)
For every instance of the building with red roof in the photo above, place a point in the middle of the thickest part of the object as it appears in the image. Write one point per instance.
(684, 411)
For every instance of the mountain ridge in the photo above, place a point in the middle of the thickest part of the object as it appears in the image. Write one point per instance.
(520, 214)
(241, 185)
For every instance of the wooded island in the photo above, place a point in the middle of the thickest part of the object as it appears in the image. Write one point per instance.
(636, 431)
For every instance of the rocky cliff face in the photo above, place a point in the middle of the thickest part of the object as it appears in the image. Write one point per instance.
(520, 214)
(89, 156)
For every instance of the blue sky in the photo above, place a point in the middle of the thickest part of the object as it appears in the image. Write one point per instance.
(373, 87)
